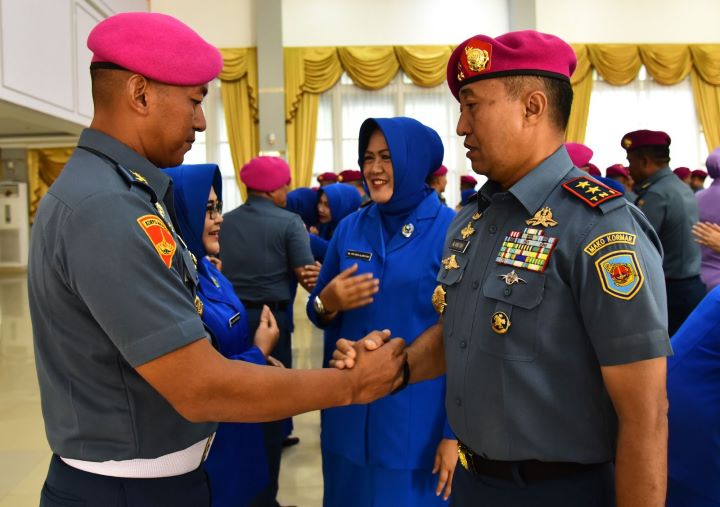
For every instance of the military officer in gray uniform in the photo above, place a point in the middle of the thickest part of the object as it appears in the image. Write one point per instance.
(671, 207)
(129, 381)
(553, 333)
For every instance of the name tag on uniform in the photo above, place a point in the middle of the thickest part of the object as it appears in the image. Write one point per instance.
(459, 245)
(234, 319)
(355, 254)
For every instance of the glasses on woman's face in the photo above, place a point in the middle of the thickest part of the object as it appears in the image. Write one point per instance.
(214, 208)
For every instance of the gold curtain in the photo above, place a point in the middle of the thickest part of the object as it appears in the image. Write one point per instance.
(312, 71)
(239, 90)
(668, 64)
(44, 166)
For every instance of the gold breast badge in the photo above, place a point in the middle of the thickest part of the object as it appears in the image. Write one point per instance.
(468, 231)
(500, 322)
(511, 278)
(543, 218)
(450, 263)
(438, 299)
(476, 216)
(199, 305)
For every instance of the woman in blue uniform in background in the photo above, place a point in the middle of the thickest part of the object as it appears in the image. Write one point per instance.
(236, 465)
(379, 272)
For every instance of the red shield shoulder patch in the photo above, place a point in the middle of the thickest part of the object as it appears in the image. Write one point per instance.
(159, 236)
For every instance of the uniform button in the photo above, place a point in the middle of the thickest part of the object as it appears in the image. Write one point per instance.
(458, 402)
(475, 284)
(507, 291)
(492, 229)
(463, 344)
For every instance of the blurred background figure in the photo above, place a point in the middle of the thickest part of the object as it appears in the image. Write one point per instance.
(684, 173)
(467, 182)
(707, 230)
(438, 181)
(580, 156)
(697, 179)
(354, 177)
(620, 173)
(327, 178)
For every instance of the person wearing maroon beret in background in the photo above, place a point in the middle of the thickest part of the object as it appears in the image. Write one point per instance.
(684, 174)
(697, 179)
(619, 172)
(553, 332)
(327, 178)
(354, 177)
(671, 208)
(130, 382)
(438, 181)
(467, 182)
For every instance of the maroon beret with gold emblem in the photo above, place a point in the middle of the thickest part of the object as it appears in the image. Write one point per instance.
(523, 53)
(349, 175)
(639, 138)
(328, 176)
(699, 173)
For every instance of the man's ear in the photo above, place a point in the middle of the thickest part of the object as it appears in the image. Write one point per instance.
(536, 106)
(137, 89)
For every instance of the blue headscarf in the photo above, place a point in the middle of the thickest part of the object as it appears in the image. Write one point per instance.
(303, 202)
(609, 182)
(191, 187)
(416, 151)
(343, 199)
(466, 195)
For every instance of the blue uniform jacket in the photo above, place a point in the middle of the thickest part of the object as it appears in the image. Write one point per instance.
(400, 431)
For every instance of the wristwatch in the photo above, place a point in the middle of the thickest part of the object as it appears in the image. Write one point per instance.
(318, 305)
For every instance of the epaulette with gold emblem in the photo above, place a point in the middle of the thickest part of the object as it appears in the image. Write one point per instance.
(590, 191)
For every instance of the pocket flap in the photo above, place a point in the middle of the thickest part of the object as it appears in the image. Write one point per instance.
(517, 287)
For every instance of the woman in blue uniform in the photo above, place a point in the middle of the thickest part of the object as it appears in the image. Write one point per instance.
(236, 465)
(379, 272)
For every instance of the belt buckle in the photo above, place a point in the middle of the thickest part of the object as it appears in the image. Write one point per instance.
(463, 455)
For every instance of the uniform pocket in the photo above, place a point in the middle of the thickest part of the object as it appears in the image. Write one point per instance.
(514, 298)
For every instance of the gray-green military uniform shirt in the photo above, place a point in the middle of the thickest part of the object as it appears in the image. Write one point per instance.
(542, 289)
(111, 287)
(671, 207)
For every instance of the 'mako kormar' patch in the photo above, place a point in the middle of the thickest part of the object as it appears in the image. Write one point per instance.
(620, 274)
(591, 192)
(529, 250)
(607, 239)
(160, 237)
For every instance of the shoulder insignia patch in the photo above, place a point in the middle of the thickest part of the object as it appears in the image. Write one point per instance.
(590, 191)
(607, 239)
(620, 274)
(159, 236)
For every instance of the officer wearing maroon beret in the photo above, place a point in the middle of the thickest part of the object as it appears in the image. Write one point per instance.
(697, 179)
(619, 172)
(467, 182)
(683, 173)
(354, 177)
(438, 181)
(327, 178)
(671, 208)
(553, 335)
(129, 379)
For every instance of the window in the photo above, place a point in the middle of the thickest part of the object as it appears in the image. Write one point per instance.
(644, 104)
(212, 146)
(344, 107)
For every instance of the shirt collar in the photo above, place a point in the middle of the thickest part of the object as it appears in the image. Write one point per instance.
(658, 175)
(128, 158)
(533, 190)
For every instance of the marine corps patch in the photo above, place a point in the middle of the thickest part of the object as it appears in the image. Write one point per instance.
(159, 236)
(607, 239)
(620, 274)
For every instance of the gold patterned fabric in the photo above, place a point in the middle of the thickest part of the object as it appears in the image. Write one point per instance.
(239, 90)
(44, 166)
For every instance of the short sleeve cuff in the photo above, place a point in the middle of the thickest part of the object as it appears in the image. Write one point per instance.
(629, 349)
(164, 341)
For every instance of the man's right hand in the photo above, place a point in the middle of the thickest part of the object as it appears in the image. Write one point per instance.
(347, 292)
(377, 373)
(345, 354)
(267, 333)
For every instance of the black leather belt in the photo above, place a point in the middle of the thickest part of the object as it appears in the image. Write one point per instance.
(519, 471)
(280, 306)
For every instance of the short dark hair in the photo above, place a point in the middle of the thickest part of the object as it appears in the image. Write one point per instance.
(558, 91)
(658, 154)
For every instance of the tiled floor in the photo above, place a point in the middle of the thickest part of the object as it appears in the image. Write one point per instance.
(24, 452)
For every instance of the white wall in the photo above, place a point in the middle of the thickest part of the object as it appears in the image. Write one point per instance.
(223, 23)
(634, 21)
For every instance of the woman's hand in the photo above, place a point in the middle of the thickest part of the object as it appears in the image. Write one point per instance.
(274, 362)
(446, 458)
(707, 234)
(267, 333)
(347, 292)
(215, 262)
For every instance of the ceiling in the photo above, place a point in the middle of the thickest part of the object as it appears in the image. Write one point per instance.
(21, 122)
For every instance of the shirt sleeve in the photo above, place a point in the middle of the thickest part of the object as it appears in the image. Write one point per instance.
(298, 243)
(621, 289)
(252, 355)
(329, 270)
(113, 266)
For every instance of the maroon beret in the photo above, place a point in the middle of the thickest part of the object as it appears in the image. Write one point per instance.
(523, 53)
(639, 138)
(349, 175)
(156, 46)
(328, 176)
(265, 174)
(579, 154)
(617, 170)
(593, 170)
(682, 172)
(441, 171)
(699, 173)
(470, 180)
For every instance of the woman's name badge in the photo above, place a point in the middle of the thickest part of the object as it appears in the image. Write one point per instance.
(356, 254)
(234, 319)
